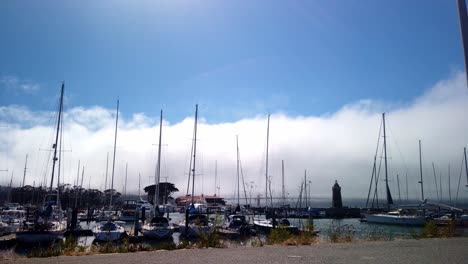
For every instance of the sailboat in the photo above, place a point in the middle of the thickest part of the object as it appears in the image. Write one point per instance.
(111, 230)
(49, 223)
(267, 224)
(195, 224)
(158, 227)
(399, 216)
(236, 224)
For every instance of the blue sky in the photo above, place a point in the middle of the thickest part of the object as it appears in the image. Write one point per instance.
(236, 59)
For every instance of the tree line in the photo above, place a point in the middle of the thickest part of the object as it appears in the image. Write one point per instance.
(73, 196)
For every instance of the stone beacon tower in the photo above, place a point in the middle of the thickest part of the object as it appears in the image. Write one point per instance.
(337, 203)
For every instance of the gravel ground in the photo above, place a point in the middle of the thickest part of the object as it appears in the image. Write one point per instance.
(453, 250)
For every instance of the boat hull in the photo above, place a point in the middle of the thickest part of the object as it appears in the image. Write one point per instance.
(195, 230)
(395, 220)
(109, 235)
(39, 236)
(265, 226)
(157, 233)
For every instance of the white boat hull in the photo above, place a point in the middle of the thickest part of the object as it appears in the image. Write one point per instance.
(157, 232)
(267, 226)
(404, 220)
(109, 235)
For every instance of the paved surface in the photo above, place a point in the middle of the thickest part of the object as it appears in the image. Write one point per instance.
(454, 250)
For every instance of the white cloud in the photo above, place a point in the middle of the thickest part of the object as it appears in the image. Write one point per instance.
(15, 84)
(337, 146)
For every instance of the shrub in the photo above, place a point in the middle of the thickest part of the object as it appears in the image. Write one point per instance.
(430, 230)
(341, 233)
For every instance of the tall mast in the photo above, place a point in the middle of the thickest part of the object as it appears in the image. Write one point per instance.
(77, 186)
(389, 197)
(194, 151)
(266, 165)
(238, 181)
(463, 16)
(139, 185)
(59, 163)
(420, 171)
(398, 182)
(440, 185)
(466, 164)
(449, 191)
(81, 185)
(407, 187)
(126, 174)
(435, 181)
(283, 191)
(158, 165)
(57, 136)
(107, 170)
(25, 168)
(216, 177)
(9, 189)
(113, 159)
(305, 189)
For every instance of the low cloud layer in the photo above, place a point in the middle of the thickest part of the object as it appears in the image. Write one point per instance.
(336, 146)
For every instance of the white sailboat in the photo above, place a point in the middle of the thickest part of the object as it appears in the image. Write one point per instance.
(111, 230)
(267, 224)
(158, 227)
(197, 223)
(50, 223)
(399, 216)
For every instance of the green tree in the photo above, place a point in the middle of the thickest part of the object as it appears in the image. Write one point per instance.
(166, 189)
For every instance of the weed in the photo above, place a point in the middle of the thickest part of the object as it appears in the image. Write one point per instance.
(430, 230)
(449, 229)
(377, 234)
(257, 242)
(184, 244)
(209, 239)
(341, 233)
(278, 235)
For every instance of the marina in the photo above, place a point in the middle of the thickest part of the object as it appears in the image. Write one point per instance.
(277, 131)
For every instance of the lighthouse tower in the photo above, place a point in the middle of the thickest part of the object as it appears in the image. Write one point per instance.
(337, 203)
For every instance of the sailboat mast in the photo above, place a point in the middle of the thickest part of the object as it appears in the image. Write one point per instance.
(398, 182)
(435, 181)
(126, 174)
(440, 185)
(266, 165)
(107, 170)
(283, 191)
(77, 186)
(158, 166)
(57, 136)
(238, 180)
(407, 187)
(420, 171)
(385, 161)
(194, 150)
(25, 168)
(305, 189)
(216, 177)
(466, 164)
(449, 191)
(113, 159)
(9, 187)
